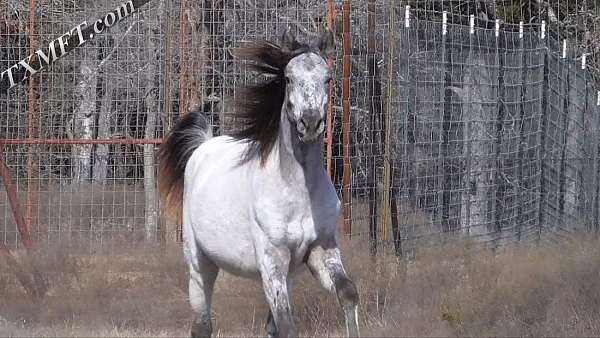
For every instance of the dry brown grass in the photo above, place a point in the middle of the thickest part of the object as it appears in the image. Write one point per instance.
(446, 292)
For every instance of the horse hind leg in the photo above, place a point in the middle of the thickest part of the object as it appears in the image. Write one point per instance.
(326, 265)
(203, 274)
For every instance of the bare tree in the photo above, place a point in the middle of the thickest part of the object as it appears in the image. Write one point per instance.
(478, 180)
(101, 156)
(572, 157)
(151, 100)
(82, 123)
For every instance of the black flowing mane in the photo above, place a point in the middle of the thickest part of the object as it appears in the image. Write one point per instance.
(258, 106)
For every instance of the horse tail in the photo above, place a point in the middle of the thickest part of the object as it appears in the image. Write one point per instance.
(187, 135)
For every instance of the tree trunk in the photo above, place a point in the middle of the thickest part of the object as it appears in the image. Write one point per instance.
(198, 45)
(83, 119)
(101, 160)
(152, 103)
(478, 179)
(574, 128)
(374, 97)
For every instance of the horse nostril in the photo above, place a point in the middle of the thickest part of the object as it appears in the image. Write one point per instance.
(303, 122)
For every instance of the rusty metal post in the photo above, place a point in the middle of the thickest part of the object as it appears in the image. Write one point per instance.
(20, 272)
(13, 200)
(346, 72)
(35, 285)
(329, 135)
(30, 101)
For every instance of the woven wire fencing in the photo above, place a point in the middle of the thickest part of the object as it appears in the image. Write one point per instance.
(473, 119)
(442, 126)
(78, 138)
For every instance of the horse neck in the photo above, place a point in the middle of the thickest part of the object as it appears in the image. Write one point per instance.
(298, 161)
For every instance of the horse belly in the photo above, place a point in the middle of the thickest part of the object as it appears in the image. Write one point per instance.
(217, 206)
(225, 241)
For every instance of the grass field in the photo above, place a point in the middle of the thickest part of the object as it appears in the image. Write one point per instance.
(445, 292)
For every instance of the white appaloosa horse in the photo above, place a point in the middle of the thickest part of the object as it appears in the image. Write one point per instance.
(259, 203)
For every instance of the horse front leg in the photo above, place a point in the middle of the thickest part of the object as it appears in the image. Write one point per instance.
(325, 263)
(274, 267)
(270, 326)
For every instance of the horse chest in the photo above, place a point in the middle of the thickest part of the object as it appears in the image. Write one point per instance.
(296, 218)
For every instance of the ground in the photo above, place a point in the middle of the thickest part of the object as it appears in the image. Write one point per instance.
(449, 290)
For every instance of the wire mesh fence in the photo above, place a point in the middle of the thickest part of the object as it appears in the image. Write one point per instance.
(79, 137)
(486, 117)
(448, 118)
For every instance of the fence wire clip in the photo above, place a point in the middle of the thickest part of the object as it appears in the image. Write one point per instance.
(444, 23)
(564, 49)
(521, 30)
(472, 24)
(407, 17)
(583, 60)
(543, 29)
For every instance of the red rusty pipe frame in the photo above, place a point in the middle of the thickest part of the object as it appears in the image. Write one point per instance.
(329, 139)
(346, 73)
(11, 192)
(29, 204)
(33, 285)
(20, 272)
(6, 253)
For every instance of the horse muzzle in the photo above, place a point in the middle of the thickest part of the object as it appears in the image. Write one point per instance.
(310, 128)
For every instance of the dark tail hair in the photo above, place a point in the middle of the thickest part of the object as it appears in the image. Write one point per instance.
(187, 135)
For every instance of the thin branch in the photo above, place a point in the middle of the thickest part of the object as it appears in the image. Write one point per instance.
(116, 46)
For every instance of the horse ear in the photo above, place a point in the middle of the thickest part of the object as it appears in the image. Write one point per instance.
(326, 42)
(288, 40)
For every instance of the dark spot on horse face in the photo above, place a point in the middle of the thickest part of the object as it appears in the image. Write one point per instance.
(306, 95)
(309, 64)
